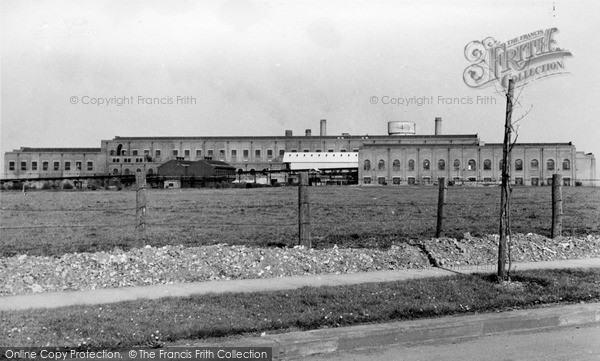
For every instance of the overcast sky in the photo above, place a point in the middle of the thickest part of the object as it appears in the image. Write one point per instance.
(259, 68)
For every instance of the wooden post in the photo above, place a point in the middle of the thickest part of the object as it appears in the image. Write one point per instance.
(303, 211)
(557, 212)
(504, 203)
(443, 190)
(140, 203)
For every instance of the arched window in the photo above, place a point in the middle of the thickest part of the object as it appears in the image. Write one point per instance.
(456, 164)
(518, 164)
(150, 171)
(396, 165)
(426, 164)
(566, 164)
(381, 164)
(126, 171)
(111, 152)
(487, 164)
(441, 164)
(367, 165)
(535, 164)
(411, 165)
(115, 171)
(472, 164)
(550, 164)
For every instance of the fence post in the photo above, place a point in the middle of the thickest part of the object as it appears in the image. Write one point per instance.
(303, 211)
(140, 203)
(443, 189)
(557, 213)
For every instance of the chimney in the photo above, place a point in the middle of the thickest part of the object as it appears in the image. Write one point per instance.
(323, 127)
(308, 132)
(438, 126)
(288, 133)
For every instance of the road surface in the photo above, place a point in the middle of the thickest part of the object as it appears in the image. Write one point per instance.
(567, 343)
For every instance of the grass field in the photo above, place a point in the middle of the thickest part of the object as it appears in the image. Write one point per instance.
(154, 322)
(54, 223)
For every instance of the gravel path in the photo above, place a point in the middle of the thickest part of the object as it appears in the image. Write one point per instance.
(84, 271)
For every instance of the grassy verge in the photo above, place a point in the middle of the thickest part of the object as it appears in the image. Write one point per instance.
(370, 217)
(150, 323)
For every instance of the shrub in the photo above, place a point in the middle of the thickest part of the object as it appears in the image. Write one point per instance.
(16, 186)
(67, 185)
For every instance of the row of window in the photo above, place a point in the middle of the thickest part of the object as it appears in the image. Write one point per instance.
(210, 152)
(128, 160)
(427, 180)
(471, 165)
(150, 171)
(56, 165)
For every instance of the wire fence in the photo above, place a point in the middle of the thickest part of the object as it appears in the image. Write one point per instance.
(273, 216)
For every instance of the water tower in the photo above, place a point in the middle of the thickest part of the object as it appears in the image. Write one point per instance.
(401, 128)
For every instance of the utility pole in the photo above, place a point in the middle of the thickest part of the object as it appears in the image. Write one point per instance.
(504, 200)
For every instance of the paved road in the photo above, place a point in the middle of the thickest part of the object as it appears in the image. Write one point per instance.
(566, 343)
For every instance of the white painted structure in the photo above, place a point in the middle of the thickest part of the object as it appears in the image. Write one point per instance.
(173, 184)
(321, 160)
(402, 128)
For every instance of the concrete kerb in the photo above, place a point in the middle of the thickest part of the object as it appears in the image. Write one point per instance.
(295, 345)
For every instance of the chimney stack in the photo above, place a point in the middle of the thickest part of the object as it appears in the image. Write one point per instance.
(288, 133)
(323, 127)
(438, 126)
(308, 132)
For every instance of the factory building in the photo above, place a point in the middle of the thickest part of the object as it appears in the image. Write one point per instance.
(53, 162)
(178, 173)
(401, 157)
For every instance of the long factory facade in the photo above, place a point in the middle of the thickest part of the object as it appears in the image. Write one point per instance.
(401, 157)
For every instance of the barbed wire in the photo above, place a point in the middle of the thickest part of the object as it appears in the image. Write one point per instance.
(428, 209)
(212, 207)
(68, 210)
(209, 225)
(71, 226)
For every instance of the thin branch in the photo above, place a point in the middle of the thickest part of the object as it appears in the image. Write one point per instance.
(524, 115)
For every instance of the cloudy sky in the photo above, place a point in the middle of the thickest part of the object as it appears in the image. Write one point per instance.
(259, 68)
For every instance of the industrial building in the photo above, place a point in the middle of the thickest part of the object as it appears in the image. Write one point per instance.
(178, 173)
(401, 157)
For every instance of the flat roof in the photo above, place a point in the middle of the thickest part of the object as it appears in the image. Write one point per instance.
(532, 144)
(383, 145)
(301, 137)
(58, 150)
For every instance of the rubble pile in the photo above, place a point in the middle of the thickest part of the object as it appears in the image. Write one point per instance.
(24, 274)
(170, 264)
(469, 250)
